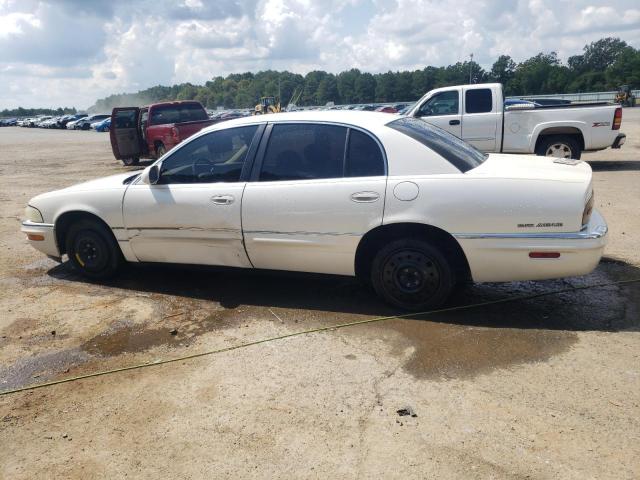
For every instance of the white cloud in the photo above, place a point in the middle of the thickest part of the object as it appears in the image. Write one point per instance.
(71, 52)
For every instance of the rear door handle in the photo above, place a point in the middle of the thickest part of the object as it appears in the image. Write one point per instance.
(222, 199)
(454, 122)
(365, 197)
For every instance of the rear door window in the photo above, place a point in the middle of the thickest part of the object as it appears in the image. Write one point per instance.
(304, 151)
(478, 100)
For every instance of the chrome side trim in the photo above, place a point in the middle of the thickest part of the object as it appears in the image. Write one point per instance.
(28, 223)
(598, 232)
(331, 234)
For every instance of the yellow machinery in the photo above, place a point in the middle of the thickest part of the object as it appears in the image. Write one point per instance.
(625, 96)
(268, 105)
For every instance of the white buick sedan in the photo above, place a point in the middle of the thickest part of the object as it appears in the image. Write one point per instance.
(403, 205)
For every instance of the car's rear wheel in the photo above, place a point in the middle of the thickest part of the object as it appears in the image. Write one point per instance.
(92, 250)
(412, 275)
(559, 146)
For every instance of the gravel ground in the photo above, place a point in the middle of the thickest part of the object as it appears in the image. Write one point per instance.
(544, 388)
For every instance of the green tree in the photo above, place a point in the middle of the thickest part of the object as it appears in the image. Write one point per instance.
(365, 88)
(503, 69)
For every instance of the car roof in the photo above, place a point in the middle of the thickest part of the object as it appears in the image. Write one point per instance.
(365, 120)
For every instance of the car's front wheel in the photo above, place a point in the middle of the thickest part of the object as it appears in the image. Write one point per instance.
(412, 275)
(92, 250)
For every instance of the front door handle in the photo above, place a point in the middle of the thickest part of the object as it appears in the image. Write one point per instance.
(454, 122)
(222, 199)
(365, 197)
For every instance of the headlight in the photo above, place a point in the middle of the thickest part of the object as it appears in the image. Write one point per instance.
(33, 214)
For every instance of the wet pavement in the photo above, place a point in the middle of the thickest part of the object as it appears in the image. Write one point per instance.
(455, 344)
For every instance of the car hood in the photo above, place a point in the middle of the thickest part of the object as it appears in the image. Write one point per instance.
(531, 167)
(101, 197)
(110, 182)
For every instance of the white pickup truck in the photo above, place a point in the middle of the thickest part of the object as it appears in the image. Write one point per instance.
(478, 115)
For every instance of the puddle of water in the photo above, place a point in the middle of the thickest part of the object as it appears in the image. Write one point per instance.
(444, 350)
(129, 339)
(138, 338)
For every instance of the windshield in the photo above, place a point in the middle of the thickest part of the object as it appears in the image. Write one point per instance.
(460, 154)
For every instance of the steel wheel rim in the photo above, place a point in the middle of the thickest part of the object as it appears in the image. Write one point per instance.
(89, 253)
(411, 276)
(559, 150)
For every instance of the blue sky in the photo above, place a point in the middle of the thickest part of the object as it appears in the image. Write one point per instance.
(71, 52)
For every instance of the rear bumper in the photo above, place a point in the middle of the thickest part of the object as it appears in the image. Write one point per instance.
(619, 141)
(42, 237)
(505, 257)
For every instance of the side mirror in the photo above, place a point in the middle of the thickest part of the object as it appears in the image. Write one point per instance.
(150, 175)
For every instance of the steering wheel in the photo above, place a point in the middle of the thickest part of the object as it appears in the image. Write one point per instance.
(201, 166)
(426, 110)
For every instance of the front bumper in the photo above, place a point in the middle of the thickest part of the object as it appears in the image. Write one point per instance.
(504, 257)
(42, 237)
(619, 141)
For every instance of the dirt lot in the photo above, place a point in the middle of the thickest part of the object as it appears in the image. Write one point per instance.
(543, 388)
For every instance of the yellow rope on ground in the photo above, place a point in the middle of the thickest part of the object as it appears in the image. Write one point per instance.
(314, 330)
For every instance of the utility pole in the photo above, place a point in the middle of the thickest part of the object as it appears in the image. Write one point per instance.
(470, 67)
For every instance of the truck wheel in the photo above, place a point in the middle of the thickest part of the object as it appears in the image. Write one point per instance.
(412, 275)
(559, 146)
(130, 161)
(92, 250)
(160, 150)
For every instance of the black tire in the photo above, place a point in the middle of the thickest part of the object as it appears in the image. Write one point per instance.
(559, 146)
(412, 275)
(131, 161)
(92, 250)
(160, 150)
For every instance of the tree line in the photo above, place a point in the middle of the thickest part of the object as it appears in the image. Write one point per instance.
(604, 65)
(32, 112)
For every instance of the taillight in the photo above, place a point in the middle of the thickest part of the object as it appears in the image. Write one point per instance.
(588, 208)
(617, 119)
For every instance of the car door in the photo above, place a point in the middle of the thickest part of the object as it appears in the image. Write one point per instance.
(481, 117)
(442, 109)
(316, 189)
(193, 213)
(125, 136)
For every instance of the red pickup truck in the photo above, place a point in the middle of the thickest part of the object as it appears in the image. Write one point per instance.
(150, 132)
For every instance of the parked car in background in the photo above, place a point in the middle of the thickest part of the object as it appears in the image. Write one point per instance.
(406, 207)
(85, 123)
(8, 122)
(386, 109)
(35, 122)
(150, 132)
(102, 125)
(64, 121)
(478, 115)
